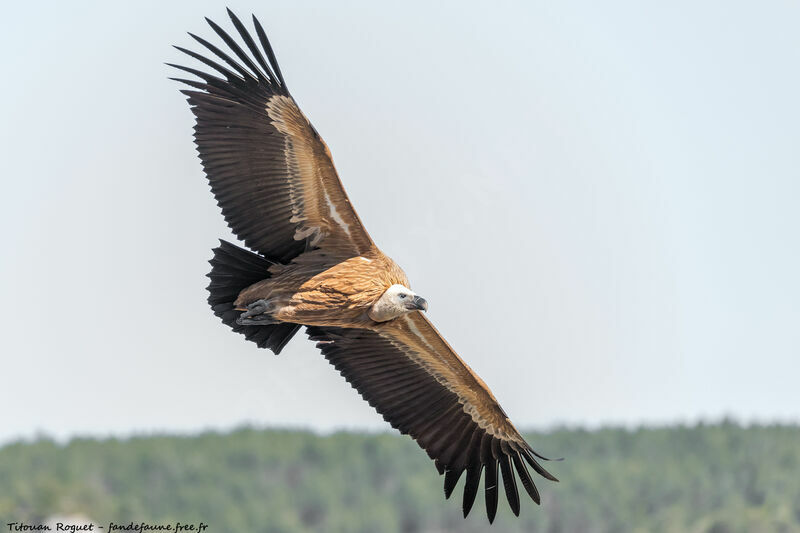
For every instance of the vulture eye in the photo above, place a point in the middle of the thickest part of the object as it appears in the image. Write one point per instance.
(402, 296)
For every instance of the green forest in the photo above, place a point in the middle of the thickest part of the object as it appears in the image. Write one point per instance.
(709, 478)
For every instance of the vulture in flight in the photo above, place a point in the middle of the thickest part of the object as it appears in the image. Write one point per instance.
(312, 263)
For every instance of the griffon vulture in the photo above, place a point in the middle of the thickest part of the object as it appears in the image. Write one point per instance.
(313, 264)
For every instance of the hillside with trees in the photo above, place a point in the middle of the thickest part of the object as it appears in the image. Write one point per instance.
(706, 478)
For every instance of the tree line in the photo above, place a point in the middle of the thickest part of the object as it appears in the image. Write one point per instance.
(706, 478)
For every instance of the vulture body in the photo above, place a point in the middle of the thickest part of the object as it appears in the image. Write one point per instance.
(313, 264)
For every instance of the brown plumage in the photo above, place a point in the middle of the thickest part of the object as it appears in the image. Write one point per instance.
(313, 264)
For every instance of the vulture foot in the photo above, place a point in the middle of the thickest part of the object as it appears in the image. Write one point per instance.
(258, 314)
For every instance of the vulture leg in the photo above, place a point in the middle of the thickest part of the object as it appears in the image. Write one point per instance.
(258, 314)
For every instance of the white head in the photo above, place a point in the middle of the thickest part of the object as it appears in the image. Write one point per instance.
(396, 301)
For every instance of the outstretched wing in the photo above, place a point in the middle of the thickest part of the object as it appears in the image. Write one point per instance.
(411, 376)
(269, 170)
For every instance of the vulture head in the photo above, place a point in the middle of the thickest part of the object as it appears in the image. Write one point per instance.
(396, 301)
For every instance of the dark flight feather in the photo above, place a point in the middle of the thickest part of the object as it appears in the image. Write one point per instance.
(265, 70)
(233, 45)
(262, 36)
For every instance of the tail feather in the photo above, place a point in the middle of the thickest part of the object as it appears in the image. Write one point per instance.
(233, 269)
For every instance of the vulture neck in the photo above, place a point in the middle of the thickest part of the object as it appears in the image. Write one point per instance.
(381, 312)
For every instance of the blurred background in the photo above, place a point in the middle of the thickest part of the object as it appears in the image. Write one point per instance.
(599, 201)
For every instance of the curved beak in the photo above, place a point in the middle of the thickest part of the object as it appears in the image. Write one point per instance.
(420, 303)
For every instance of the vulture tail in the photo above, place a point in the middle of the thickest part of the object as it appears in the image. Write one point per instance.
(232, 269)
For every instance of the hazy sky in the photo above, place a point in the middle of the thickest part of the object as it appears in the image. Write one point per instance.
(599, 201)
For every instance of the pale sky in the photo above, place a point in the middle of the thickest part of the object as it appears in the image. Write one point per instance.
(599, 201)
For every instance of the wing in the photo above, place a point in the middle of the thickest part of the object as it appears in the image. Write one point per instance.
(269, 170)
(411, 376)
